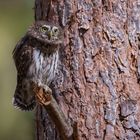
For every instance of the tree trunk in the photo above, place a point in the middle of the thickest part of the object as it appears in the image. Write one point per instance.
(97, 84)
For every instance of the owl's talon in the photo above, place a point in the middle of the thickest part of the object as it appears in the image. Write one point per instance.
(43, 98)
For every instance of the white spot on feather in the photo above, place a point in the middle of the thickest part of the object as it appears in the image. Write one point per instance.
(36, 57)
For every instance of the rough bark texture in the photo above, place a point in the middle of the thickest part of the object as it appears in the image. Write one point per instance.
(97, 85)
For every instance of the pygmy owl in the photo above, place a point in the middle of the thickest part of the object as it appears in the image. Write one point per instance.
(36, 60)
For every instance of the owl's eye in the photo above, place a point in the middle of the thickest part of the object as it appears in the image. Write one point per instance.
(44, 28)
(55, 29)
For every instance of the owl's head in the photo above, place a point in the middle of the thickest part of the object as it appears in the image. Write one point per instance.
(46, 32)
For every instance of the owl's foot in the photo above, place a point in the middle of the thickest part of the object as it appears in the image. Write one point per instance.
(43, 99)
(44, 94)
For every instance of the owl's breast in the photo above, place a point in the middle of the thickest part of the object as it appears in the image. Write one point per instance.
(44, 67)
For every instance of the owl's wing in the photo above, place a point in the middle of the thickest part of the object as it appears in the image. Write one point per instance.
(24, 98)
(22, 55)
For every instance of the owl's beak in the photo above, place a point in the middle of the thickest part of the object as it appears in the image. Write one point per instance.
(50, 35)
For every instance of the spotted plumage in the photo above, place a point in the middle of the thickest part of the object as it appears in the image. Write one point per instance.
(36, 60)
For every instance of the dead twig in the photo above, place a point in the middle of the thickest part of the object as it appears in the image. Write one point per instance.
(54, 111)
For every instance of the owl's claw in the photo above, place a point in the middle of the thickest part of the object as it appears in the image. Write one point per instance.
(44, 94)
(43, 99)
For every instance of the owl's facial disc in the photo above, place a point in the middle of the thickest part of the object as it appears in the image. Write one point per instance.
(46, 32)
(50, 33)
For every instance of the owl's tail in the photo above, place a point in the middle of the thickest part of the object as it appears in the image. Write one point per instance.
(24, 100)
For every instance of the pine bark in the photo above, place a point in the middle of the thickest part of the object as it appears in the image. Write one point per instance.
(97, 84)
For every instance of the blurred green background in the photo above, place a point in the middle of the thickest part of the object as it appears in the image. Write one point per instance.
(15, 17)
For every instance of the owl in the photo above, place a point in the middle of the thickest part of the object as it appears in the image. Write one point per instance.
(36, 60)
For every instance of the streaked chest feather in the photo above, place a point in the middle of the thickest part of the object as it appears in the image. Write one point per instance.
(44, 66)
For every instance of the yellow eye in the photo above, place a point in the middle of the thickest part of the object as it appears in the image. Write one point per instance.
(44, 28)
